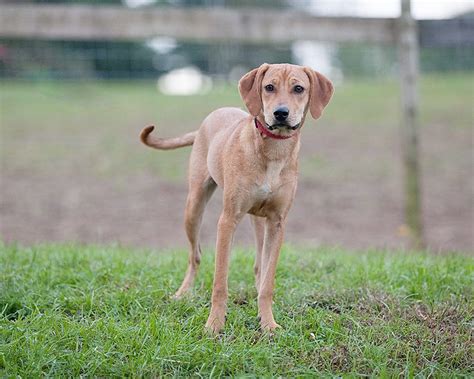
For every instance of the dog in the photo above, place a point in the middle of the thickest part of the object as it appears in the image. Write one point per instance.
(254, 159)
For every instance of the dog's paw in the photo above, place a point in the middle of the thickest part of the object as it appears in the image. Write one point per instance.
(178, 295)
(269, 326)
(215, 324)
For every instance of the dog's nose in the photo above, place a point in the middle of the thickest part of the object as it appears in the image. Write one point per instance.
(281, 113)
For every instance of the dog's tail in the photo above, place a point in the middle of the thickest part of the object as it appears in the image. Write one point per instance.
(166, 143)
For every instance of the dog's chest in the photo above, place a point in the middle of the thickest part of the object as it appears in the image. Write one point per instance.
(270, 180)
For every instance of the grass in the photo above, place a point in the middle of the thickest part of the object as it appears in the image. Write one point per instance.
(70, 310)
(64, 126)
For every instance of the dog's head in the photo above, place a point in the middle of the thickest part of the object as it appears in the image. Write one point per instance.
(283, 93)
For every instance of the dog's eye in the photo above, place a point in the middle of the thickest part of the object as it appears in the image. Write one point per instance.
(269, 88)
(298, 89)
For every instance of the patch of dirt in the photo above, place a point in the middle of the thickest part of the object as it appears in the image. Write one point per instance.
(445, 324)
(355, 201)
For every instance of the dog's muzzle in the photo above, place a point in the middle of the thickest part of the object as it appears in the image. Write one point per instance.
(281, 126)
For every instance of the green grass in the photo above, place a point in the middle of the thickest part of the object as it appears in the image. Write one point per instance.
(101, 312)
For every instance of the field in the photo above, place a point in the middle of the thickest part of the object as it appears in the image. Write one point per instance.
(68, 310)
(72, 168)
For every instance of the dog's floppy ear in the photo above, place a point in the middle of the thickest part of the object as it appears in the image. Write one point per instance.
(249, 88)
(320, 93)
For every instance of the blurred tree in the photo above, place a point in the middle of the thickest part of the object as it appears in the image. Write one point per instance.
(365, 60)
(456, 58)
(90, 59)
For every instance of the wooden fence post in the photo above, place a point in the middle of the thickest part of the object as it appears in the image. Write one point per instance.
(408, 51)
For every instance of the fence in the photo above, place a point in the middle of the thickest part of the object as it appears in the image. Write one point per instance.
(65, 41)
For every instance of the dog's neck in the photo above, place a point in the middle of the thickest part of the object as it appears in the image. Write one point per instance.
(274, 149)
(267, 133)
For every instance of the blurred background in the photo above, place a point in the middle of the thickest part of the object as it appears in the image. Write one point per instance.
(72, 167)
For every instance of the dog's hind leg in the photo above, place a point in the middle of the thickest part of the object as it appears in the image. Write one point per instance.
(201, 188)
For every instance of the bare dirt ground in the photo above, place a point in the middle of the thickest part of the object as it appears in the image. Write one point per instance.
(356, 202)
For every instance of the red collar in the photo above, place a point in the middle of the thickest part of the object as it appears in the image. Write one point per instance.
(268, 133)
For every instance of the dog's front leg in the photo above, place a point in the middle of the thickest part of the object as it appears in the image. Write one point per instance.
(259, 228)
(274, 230)
(225, 233)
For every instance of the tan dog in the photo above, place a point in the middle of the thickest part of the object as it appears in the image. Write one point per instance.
(254, 158)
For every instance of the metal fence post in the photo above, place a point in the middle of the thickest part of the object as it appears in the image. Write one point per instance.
(408, 51)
